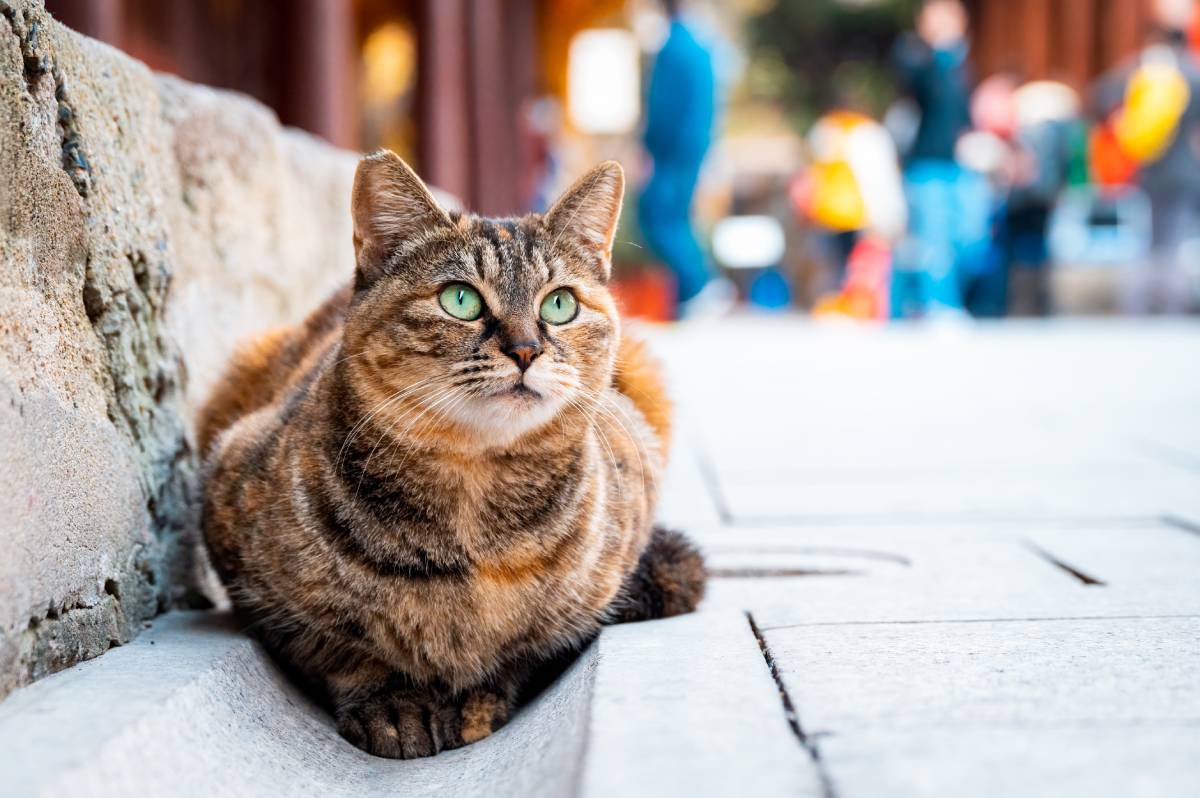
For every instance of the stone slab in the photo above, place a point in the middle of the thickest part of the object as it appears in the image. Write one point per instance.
(806, 575)
(687, 497)
(911, 677)
(1146, 492)
(704, 718)
(1160, 761)
(193, 708)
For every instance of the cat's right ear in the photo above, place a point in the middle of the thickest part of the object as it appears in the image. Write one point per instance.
(389, 203)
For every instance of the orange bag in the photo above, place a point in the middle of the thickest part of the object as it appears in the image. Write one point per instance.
(1110, 165)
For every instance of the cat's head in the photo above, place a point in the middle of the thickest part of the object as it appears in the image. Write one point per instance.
(493, 326)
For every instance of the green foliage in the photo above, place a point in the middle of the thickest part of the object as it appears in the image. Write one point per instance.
(810, 55)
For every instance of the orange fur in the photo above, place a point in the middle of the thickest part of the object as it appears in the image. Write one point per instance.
(639, 376)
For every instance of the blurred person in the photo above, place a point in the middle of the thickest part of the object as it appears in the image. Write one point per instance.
(990, 150)
(1037, 127)
(1152, 106)
(1048, 128)
(933, 69)
(680, 110)
(852, 191)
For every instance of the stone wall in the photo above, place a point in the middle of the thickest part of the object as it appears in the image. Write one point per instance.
(145, 225)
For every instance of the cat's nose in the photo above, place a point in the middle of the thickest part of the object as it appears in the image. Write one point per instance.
(523, 352)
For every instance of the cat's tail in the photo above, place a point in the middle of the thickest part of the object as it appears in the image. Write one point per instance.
(639, 376)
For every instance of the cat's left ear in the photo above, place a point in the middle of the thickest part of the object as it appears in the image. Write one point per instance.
(389, 203)
(588, 212)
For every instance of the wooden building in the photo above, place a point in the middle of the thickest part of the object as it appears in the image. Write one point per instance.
(448, 83)
(1069, 40)
(445, 82)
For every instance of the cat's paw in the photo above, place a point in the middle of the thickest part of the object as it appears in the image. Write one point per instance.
(410, 723)
(482, 713)
(399, 724)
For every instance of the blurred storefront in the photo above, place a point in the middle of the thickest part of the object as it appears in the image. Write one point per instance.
(452, 84)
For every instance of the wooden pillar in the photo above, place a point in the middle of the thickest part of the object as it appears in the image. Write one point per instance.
(322, 74)
(476, 72)
(100, 19)
(443, 97)
(504, 61)
(1035, 21)
(494, 142)
(1123, 28)
(185, 28)
(991, 24)
(525, 87)
(1076, 41)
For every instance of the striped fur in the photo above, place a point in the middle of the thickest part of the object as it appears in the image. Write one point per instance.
(408, 532)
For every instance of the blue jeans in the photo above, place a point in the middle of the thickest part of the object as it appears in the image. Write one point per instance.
(949, 234)
(665, 216)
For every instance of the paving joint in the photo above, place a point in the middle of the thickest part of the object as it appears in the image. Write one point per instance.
(1183, 524)
(708, 473)
(1086, 578)
(949, 621)
(807, 741)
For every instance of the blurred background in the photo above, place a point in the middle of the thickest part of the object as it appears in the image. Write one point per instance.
(853, 159)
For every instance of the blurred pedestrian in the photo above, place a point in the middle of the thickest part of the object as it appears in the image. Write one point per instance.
(680, 110)
(1153, 106)
(1047, 130)
(852, 193)
(943, 200)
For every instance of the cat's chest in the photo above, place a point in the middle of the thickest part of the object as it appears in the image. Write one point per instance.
(493, 502)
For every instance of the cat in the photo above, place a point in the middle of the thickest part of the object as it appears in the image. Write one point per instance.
(445, 477)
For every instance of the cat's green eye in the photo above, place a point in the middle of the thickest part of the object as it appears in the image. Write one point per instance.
(559, 307)
(461, 301)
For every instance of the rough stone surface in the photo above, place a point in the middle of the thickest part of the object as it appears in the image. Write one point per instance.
(194, 708)
(145, 225)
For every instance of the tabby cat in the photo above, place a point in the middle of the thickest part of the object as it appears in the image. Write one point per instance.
(445, 477)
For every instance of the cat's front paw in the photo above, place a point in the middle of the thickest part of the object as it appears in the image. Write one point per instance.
(411, 723)
(399, 724)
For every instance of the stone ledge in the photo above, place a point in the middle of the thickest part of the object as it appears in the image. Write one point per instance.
(192, 707)
(146, 225)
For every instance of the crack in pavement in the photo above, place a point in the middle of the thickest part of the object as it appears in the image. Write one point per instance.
(807, 741)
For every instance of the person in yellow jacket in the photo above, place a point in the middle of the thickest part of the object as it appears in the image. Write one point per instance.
(1151, 106)
(853, 193)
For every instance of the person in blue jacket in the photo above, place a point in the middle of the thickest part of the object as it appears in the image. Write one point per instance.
(948, 207)
(679, 124)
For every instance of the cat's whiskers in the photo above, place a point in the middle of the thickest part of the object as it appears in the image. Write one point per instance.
(604, 406)
(366, 419)
(442, 408)
(420, 409)
(621, 416)
(445, 410)
(342, 360)
(589, 417)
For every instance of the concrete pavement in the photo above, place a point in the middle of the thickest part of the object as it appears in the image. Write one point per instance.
(972, 554)
(945, 561)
